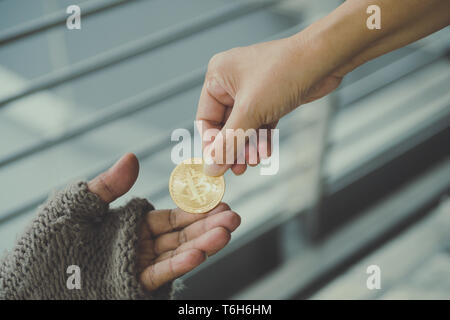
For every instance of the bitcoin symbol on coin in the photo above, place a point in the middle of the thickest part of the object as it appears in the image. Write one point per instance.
(196, 187)
(192, 190)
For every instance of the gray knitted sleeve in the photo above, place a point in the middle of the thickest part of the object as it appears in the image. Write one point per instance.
(75, 227)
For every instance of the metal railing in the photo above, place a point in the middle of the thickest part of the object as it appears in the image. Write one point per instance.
(51, 20)
(137, 47)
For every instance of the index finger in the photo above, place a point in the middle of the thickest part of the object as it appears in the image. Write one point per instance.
(211, 112)
(163, 221)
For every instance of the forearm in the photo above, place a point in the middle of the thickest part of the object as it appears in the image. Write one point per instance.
(429, 22)
(342, 39)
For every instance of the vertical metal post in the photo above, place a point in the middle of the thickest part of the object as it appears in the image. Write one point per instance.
(313, 218)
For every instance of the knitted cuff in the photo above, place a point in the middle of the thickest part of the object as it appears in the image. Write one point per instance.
(75, 228)
(75, 202)
(120, 231)
(124, 254)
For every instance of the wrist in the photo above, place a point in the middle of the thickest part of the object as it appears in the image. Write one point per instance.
(333, 42)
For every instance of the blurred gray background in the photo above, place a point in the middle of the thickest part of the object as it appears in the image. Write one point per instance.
(363, 175)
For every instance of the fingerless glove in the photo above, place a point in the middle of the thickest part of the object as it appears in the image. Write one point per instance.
(76, 227)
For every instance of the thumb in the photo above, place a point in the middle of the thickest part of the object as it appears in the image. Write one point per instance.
(242, 118)
(117, 180)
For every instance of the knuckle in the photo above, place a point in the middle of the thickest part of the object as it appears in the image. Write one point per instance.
(107, 189)
(223, 233)
(233, 218)
(173, 253)
(157, 247)
(216, 61)
(172, 219)
(182, 237)
(171, 269)
(220, 63)
(194, 257)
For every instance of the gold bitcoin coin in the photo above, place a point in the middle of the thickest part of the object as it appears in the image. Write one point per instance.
(192, 190)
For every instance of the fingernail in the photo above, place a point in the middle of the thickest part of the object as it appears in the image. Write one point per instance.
(212, 169)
